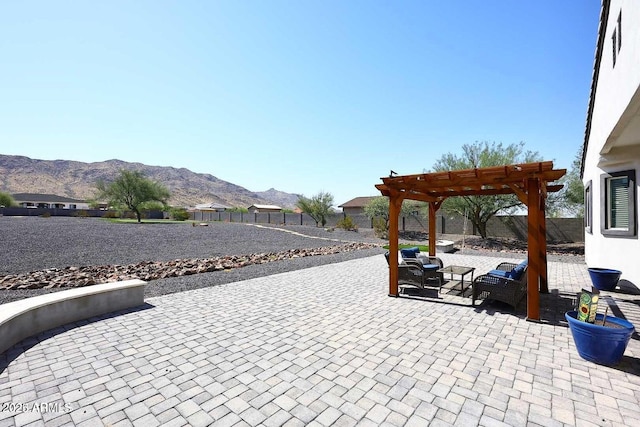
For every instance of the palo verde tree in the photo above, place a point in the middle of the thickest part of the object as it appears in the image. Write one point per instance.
(570, 199)
(378, 207)
(132, 190)
(479, 209)
(317, 207)
(6, 200)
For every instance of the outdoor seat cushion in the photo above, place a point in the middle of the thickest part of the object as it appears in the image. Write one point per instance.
(430, 266)
(410, 252)
(500, 273)
(515, 273)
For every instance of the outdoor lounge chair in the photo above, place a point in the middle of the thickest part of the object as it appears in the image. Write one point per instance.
(507, 283)
(429, 264)
(408, 274)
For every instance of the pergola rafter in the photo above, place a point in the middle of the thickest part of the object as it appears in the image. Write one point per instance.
(530, 182)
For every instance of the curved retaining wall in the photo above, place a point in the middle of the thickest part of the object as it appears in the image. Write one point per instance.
(30, 316)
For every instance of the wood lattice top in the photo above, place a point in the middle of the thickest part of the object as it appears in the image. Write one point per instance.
(436, 186)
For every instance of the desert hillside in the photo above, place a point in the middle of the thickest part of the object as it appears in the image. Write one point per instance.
(77, 180)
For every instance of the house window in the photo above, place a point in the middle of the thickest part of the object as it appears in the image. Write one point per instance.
(588, 209)
(616, 39)
(614, 42)
(619, 31)
(618, 204)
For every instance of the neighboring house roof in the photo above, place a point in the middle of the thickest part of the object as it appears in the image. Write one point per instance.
(210, 206)
(358, 202)
(265, 207)
(602, 29)
(44, 198)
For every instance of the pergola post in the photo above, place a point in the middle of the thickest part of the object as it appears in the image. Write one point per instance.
(395, 203)
(544, 283)
(432, 228)
(533, 237)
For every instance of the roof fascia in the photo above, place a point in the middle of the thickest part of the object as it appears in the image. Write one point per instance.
(604, 17)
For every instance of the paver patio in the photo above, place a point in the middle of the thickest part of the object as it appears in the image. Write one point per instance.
(323, 346)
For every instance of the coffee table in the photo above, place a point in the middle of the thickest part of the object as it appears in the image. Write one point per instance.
(460, 271)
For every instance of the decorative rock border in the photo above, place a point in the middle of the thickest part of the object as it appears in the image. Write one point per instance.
(151, 270)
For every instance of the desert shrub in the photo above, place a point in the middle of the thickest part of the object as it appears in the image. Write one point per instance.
(81, 213)
(128, 215)
(179, 214)
(46, 215)
(111, 214)
(380, 228)
(6, 200)
(347, 223)
(236, 209)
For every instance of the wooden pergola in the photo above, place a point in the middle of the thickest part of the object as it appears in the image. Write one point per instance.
(530, 182)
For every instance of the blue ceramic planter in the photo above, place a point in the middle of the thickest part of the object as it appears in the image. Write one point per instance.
(603, 345)
(604, 279)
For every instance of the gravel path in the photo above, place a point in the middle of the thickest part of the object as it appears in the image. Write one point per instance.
(34, 243)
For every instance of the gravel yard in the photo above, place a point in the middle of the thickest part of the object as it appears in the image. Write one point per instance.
(33, 243)
(29, 244)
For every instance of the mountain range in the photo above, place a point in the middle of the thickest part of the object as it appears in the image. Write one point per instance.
(19, 174)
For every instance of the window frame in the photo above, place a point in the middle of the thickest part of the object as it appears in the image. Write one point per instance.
(614, 42)
(619, 30)
(588, 207)
(605, 211)
(616, 39)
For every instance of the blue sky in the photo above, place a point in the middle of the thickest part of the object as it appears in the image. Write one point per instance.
(302, 96)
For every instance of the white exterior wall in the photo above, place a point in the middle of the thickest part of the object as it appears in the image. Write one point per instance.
(614, 99)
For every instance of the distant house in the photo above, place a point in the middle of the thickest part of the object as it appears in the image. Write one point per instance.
(264, 208)
(33, 200)
(356, 206)
(212, 207)
(611, 150)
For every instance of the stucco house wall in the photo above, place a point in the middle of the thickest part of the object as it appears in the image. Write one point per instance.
(612, 137)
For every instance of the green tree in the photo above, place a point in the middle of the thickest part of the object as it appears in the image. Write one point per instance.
(571, 198)
(6, 200)
(378, 207)
(179, 214)
(153, 205)
(480, 209)
(132, 190)
(237, 209)
(317, 207)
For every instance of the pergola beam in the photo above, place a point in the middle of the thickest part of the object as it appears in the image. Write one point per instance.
(429, 194)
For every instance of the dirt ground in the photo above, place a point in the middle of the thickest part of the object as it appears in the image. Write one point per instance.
(496, 244)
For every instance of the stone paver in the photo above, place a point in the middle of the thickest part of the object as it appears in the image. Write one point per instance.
(324, 346)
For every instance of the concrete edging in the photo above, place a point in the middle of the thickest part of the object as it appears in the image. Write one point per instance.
(30, 316)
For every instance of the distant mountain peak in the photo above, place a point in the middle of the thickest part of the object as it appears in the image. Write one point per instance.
(21, 174)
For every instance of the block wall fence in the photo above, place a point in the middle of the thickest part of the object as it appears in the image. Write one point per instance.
(514, 227)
